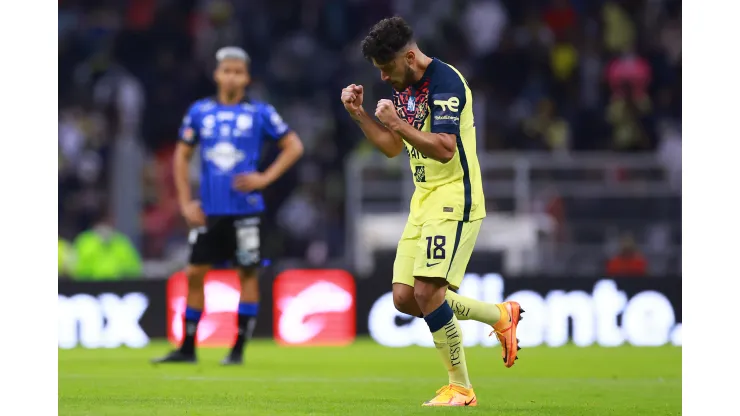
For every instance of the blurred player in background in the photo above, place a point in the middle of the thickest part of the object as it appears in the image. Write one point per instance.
(431, 117)
(225, 223)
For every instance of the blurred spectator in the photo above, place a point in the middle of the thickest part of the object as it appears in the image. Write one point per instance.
(628, 118)
(619, 29)
(161, 212)
(215, 28)
(628, 261)
(484, 23)
(546, 130)
(629, 75)
(669, 153)
(670, 40)
(590, 66)
(82, 166)
(560, 18)
(564, 60)
(105, 254)
(65, 256)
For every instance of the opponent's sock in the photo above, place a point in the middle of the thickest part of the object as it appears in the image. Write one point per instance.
(192, 317)
(448, 339)
(247, 319)
(468, 308)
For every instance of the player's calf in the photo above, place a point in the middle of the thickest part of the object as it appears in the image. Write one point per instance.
(247, 314)
(194, 308)
(196, 275)
(430, 295)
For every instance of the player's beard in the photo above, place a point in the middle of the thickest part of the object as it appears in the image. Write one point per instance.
(408, 79)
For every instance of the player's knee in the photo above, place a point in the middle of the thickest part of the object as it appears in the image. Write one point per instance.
(405, 302)
(422, 296)
(426, 292)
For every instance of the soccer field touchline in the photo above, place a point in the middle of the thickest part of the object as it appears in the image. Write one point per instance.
(374, 379)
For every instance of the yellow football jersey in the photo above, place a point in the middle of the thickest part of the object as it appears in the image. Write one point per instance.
(441, 102)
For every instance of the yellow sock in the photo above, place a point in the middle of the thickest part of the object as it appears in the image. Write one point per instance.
(468, 308)
(448, 340)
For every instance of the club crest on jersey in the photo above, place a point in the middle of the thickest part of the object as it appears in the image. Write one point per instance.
(411, 105)
(244, 121)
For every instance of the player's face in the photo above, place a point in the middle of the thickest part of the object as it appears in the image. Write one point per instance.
(231, 75)
(398, 72)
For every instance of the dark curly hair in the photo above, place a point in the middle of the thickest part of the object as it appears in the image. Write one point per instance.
(388, 37)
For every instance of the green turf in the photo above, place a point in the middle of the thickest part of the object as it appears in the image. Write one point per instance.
(366, 379)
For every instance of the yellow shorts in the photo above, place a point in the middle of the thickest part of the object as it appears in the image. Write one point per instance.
(438, 248)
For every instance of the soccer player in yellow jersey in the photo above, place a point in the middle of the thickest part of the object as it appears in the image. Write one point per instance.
(431, 117)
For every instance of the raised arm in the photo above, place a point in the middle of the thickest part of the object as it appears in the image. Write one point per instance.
(381, 137)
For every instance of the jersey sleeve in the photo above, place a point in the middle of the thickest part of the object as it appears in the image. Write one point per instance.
(273, 125)
(448, 101)
(188, 132)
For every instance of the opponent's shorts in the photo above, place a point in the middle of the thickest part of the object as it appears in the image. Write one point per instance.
(438, 248)
(227, 238)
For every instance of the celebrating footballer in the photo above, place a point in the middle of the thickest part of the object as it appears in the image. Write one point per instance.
(430, 115)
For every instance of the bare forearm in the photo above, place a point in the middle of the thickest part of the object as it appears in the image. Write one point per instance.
(291, 151)
(437, 146)
(182, 177)
(387, 142)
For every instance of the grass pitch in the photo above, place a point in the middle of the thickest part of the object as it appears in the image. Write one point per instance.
(367, 379)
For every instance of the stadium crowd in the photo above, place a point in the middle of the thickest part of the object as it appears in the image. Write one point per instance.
(555, 75)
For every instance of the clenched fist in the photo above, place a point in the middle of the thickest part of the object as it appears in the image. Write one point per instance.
(386, 113)
(352, 98)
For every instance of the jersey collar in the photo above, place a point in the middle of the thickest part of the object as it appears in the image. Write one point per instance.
(245, 100)
(427, 74)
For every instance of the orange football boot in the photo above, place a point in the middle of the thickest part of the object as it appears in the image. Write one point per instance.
(505, 330)
(452, 395)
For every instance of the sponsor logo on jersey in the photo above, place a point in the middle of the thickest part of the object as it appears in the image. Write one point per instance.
(420, 174)
(449, 104)
(225, 116)
(225, 156)
(446, 109)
